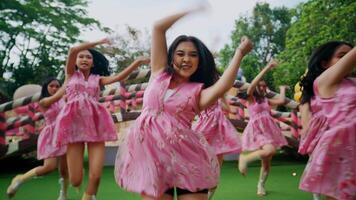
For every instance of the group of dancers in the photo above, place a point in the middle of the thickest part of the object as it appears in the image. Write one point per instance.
(166, 153)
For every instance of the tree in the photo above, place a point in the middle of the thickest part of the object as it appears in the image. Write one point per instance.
(129, 44)
(35, 37)
(266, 28)
(318, 21)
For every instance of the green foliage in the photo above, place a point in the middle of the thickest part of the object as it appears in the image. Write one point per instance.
(319, 21)
(128, 45)
(266, 28)
(35, 37)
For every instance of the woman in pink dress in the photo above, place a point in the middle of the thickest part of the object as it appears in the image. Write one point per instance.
(331, 167)
(50, 104)
(83, 120)
(161, 152)
(262, 135)
(220, 134)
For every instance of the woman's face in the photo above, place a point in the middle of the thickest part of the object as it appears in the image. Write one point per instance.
(185, 59)
(262, 88)
(53, 87)
(84, 60)
(338, 54)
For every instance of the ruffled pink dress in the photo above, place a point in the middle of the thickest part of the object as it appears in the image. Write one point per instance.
(317, 125)
(331, 169)
(45, 147)
(83, 118)
(218, 130)
(261, 129)
(161, 151)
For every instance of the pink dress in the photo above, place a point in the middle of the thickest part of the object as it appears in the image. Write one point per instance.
(161, 151)
(317, 125)
(218, 130)
(45, 147)
(261, 129)
(83, 118)
(331, 169)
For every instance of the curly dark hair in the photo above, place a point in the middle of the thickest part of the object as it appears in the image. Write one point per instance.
(206, 72)
(315, 68)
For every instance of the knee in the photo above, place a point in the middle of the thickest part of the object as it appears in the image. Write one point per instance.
(94, 177)
(76, 181)
(267, 153)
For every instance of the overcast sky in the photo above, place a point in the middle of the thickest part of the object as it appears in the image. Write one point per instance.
(213, 28)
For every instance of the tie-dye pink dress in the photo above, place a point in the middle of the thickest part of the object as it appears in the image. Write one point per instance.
(45, 147)
(317, 125)
(331, 169)
(161, 151)
(261, 129)
(218, 130)
(83, 118)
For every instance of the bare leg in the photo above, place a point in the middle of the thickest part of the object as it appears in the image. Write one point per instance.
(49, 165)
(265, 168)
(265, 152)
(96, 151)
(63, 181)
(75, 154)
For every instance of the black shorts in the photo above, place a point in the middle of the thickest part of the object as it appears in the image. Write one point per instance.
(183, 191)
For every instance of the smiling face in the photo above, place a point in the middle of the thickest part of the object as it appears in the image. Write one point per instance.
(185, 59)
(53, 87)
(84, 61)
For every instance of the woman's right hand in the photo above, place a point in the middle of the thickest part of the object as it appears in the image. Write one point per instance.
(245, 45)
(143, 60)
(272, 63)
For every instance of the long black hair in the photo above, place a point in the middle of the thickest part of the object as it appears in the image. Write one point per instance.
(257, 93)
(44, 90)
(322, 54)
(100, 63)
(206, 72)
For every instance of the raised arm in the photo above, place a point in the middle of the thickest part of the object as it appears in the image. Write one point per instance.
(330, 78)
(159, 44)
(281, 98)
(272, 63)
(48, 101)
(127, 71)
(73, 52)
(211, 94)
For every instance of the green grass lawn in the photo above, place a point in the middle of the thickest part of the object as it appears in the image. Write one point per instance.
(281, 184)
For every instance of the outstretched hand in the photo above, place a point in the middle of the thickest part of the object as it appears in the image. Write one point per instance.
(106, 40)
(143, 60)
(272, 63)
(245, 45)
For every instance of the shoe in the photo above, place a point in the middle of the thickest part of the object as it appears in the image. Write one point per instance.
(261, 191)
(14, 186)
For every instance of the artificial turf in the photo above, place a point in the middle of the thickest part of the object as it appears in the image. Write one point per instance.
(281, 184)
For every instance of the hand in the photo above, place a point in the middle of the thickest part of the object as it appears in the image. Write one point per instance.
(106, 40)
(143, 60)
(202, 6)
(245, 45)
(272, 63)
(283, 87)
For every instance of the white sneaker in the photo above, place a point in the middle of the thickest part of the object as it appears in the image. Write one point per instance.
(62, 196)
